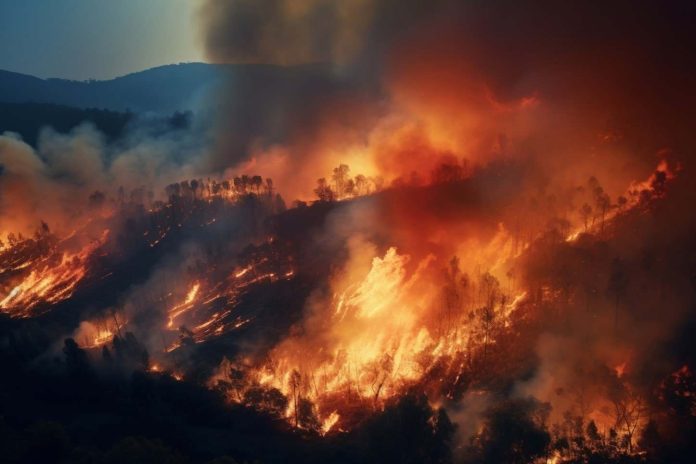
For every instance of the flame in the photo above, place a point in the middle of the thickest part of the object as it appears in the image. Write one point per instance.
(208, 307)
(184, 306)
(621, 369)
(48, 282)
(632, 197)
(376, 330)
(555, 458)
(329, 422)
(383, 330)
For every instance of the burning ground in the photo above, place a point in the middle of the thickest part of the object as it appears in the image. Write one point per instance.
(491, 258)
(324, 322)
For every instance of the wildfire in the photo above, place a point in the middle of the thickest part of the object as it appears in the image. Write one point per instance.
(329, 422)
(51, 279)
(208, 306)
(376, 332)
(186, 305)
(99, 332)
(382, 331)
(637, 192)
(394, 318)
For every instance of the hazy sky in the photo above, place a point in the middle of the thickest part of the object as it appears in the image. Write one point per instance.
(82, 39)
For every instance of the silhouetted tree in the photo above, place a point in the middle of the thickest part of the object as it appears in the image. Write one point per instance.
(75, 358)
(323, 191)
(514, 432)
(256, 183)
(585, 213)
(340, 179)
(306, 417)
(270, 400)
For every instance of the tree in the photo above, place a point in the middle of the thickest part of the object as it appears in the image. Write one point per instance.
(491, 290)
(340, 179)
(173, 190)
(257, 183)
(237, 181)
(306, 417)
(592, 432)
(75, 358)
(270, 400)
(650, 439)
(585, 213)
(514, 432)
(628, 412)
(279, 205)
(602, 204)
(42, 231)
(295, 383)
(361, 185)
(323, 191)
(380, 372)
(349, 189)
(621, 203)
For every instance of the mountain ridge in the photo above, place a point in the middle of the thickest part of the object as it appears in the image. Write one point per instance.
(162, 89)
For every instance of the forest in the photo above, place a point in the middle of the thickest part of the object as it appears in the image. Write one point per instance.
(145, 378)
(366, 231)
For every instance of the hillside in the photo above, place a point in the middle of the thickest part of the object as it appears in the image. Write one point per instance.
(163, 89)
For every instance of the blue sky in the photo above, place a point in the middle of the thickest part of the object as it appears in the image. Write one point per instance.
(83, 39)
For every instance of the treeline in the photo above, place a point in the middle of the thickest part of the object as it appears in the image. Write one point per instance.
(341, 185)
(28, 119)
(237, 186)
(208, 189)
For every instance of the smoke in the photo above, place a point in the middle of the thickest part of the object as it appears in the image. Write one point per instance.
(53, 182)
(529, 102)
(288, 32)
(537, 99)
(404, 85)
(627, 301)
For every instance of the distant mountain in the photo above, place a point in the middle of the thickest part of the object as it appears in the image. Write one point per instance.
(27, 119)
(171, 88)
(164, 89)
(249, 102)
